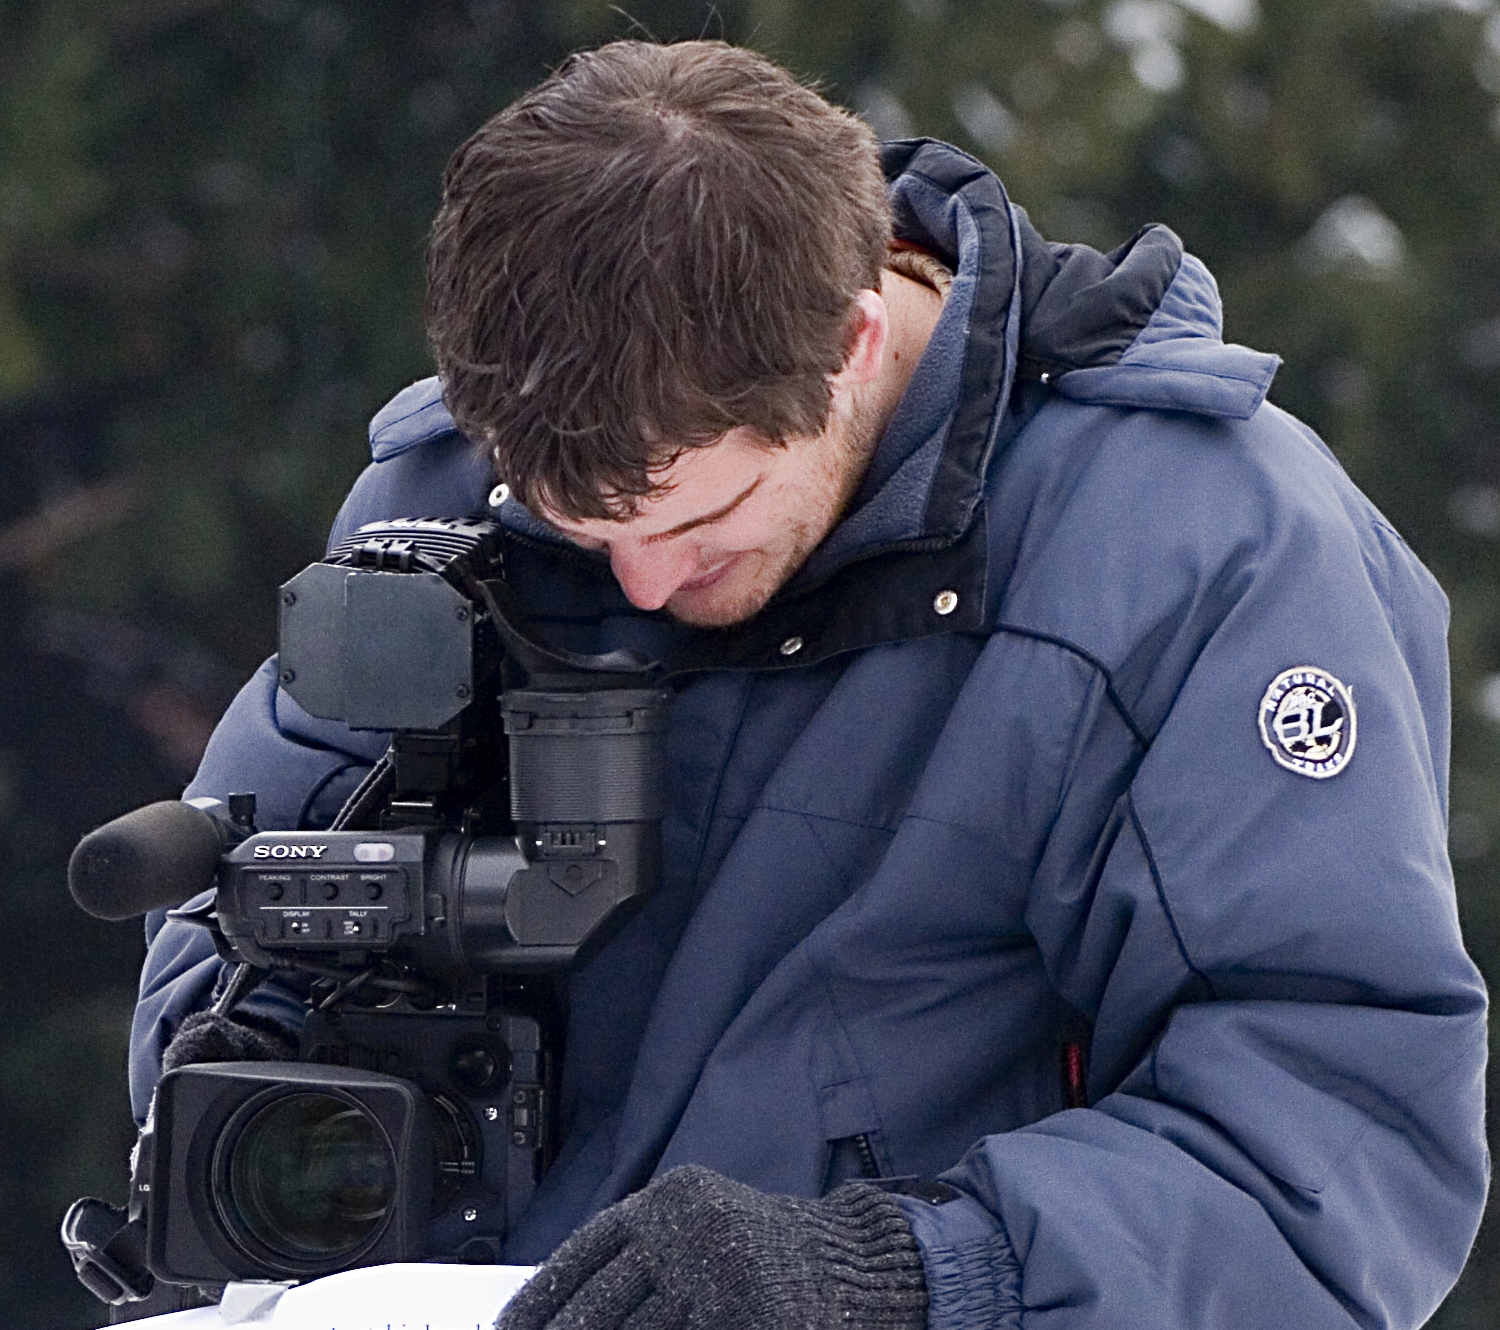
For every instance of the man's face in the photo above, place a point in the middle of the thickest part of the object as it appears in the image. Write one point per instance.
(735, 521)
(737, 518)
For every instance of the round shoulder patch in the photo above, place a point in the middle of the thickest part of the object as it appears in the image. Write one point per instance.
(1307, 721)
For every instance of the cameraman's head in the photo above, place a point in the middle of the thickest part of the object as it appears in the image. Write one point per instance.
(653, 296)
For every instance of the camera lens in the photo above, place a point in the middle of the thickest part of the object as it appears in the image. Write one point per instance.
(312, 1177)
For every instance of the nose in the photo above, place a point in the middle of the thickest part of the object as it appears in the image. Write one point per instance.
(649, 574)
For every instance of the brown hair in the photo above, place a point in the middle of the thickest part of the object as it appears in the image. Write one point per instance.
(653, 246)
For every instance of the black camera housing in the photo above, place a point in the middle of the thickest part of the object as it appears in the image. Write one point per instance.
(455, 1106)
(196, 1236)
(512, 826)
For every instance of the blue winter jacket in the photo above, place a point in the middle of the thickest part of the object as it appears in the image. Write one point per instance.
(904, 862)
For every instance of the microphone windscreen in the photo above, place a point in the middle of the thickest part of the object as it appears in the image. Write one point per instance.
(158, 855)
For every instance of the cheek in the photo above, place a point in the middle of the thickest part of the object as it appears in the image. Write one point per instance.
(734, 535)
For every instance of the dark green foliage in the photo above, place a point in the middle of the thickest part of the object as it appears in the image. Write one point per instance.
(211, 225)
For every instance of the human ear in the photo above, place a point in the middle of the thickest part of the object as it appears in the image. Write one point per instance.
(870, 324)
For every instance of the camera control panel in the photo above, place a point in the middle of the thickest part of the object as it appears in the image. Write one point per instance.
(320, 891)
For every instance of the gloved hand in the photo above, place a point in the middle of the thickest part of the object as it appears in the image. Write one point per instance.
(695, 1251)
(206, 1037)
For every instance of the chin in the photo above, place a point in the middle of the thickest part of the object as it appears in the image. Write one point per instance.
(745, 591)
(715, 615)
(722, 606)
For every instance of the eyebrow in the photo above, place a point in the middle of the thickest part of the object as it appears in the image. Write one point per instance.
(707, 517)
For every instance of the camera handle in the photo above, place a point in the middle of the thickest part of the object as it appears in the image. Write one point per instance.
(107, 1243)
(108, 1250)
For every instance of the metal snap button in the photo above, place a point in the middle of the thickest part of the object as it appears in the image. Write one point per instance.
(791, 646)
(499, 495)
(945, 602)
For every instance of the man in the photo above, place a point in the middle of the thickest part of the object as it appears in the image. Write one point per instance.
(1034, 675)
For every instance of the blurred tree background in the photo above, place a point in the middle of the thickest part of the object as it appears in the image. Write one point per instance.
(211, 224)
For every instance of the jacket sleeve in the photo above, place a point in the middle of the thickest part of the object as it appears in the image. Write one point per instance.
(300, 769)
(1286, 1076)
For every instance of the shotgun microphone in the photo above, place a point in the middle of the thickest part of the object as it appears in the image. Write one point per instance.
(156, 856)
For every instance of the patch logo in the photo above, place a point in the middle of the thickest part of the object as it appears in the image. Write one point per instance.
(1307, 721)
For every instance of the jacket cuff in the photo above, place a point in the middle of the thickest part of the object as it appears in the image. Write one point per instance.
(973, 1277)
(866, 1252)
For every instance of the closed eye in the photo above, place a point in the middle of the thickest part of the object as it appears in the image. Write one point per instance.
(718, 515)
(602, 543)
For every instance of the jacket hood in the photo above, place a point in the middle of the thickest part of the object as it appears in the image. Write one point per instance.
(1139, 327)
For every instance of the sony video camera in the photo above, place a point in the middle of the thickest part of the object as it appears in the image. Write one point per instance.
(512, 825)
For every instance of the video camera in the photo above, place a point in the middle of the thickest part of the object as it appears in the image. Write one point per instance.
(512, 824)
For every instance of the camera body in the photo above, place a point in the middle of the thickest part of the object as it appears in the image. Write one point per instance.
(402, 1134)
(458, 1071)
(512, 826)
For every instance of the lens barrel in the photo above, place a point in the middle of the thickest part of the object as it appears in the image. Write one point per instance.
(275, 1170)
(310, 1176)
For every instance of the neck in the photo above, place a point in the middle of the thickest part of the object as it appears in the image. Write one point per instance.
(914, 309)
(860, 414)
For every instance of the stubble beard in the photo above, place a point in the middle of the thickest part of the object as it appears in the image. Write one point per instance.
(850, 444)
(749, 587)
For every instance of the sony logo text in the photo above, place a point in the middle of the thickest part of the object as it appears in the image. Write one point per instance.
(289, 851)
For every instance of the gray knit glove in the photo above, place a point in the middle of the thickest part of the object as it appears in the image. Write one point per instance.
(208, 1037)
(696, 1251)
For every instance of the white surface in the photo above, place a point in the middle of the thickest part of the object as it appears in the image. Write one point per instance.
(380, 1297)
